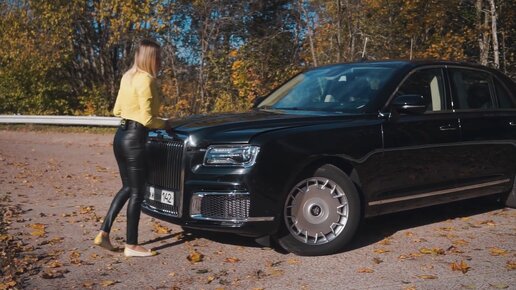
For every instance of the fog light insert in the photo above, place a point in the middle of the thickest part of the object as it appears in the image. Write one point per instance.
(220, 206)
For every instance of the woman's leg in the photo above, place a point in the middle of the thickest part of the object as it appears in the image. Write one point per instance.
(123, 194)
(134, 150)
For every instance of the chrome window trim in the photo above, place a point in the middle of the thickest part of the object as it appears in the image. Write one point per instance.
(439, 192)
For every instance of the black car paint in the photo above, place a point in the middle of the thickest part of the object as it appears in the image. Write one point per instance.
(385, 156)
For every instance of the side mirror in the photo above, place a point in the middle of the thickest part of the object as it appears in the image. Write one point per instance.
(257, 101)
(412, 104)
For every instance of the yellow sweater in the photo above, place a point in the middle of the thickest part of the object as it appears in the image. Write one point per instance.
(139, 100)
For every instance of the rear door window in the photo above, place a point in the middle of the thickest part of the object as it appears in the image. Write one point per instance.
(505, 101)
(472, 89)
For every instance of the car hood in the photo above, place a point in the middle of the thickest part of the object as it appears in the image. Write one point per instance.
(241, 127)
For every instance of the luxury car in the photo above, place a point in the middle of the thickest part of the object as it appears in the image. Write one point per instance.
(337, 144)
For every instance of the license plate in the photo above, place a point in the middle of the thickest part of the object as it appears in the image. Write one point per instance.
(167, 197)
(161, 195)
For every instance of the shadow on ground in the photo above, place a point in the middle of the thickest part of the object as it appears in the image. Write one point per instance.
(375, 229)
(371, 230)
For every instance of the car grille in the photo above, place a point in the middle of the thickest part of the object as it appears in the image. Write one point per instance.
(165, 161)
(234, 207)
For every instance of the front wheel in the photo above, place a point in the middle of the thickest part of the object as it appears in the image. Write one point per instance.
(321, 213)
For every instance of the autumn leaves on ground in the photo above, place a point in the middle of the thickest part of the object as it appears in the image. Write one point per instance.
(56, 187)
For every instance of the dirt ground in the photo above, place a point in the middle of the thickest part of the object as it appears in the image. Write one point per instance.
(56, 187)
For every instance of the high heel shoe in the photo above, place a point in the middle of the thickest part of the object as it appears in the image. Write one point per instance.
(133, 253)
(103, 241)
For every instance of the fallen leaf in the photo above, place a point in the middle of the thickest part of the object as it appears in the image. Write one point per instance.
(88, 284)
(420, 240)
(232, 260)
(460, 242)
(195, 256)
(52, 242)
(54, 264)
(433, 251)
(293, 261)
(409, 234)
(427, 277)
(86, 209)
(365, 270)
(495, 251)
(210, 279)
(460, 266)
(499, 286)
(488, 222)
(75, 257)
(385, 242)
(276, 272)
(454, 250)
(410, 256)
(107, 283)
(410, 288)
(8, 285)
(52, 274)
(38, 230)
(447, 229)
(511, 265)
(160, 229)
(381, 251)
(377, 260)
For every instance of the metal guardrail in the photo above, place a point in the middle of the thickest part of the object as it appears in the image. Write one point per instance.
(60, 120)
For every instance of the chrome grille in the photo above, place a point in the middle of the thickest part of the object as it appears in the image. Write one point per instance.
(165, 160)
(215, 206)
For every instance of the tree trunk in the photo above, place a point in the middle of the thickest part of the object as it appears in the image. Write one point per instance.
(483, 37)
(310, 33)
(494, 34)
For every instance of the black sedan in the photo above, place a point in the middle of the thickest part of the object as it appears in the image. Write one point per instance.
(337, 144)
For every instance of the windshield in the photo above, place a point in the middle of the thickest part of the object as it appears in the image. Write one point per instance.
(341, 88)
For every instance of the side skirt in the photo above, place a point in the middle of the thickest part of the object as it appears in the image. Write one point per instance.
(408, 202)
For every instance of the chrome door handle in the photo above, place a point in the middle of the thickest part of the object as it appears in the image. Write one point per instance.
(448, 127)
(512, 123)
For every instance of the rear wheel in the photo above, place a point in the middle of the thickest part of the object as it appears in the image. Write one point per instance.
(321, 213)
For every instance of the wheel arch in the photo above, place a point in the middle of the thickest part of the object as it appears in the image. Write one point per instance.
(315, 163)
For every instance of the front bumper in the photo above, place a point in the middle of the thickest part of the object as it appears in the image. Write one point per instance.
(221, 199)
(214, 211)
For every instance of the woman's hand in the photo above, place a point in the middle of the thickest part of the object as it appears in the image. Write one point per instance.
(168, 124)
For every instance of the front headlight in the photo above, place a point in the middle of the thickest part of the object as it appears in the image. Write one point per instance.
(231, 155)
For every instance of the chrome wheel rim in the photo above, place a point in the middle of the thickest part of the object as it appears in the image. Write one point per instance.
(316, 211)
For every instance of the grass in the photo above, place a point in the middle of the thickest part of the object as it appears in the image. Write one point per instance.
(58, 128)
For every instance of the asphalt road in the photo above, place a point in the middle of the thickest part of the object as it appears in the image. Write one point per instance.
(58, 186)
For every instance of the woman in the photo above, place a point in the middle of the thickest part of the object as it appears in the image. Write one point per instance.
(138, 102)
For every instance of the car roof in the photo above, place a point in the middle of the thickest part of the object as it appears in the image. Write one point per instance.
(410, 63)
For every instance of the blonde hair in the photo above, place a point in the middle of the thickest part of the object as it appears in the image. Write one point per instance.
(146, 58)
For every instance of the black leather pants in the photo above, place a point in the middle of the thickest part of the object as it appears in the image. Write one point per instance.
(129, 148)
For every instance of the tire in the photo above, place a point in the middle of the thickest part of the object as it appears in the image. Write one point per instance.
(510, 200)
(321, 214)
